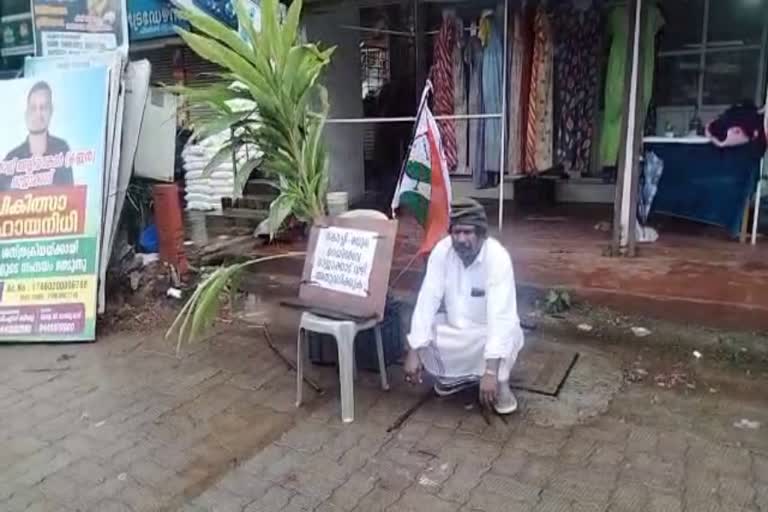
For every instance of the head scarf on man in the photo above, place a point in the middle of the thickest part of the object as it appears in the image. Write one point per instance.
(468, 212)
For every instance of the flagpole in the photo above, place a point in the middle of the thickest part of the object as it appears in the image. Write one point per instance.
(422, 104)
(503, 150)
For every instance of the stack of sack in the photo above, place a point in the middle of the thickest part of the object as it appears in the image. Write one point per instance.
(204, 192)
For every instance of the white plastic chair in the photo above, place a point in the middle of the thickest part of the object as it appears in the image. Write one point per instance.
(344, 332)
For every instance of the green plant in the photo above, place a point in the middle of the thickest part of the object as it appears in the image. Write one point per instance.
(557, 301)
(202, 308)
(270, 97)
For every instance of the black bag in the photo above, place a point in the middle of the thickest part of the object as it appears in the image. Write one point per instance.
(323, 351)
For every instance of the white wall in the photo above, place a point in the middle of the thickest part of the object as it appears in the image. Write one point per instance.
(342, 78)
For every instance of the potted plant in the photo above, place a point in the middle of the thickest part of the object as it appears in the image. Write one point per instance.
(270, 98)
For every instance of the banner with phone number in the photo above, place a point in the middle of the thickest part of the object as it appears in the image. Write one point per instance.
(51, 193)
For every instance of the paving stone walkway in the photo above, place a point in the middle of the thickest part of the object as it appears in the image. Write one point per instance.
(125, 425)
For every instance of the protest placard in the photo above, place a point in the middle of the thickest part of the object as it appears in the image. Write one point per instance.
(347, 265)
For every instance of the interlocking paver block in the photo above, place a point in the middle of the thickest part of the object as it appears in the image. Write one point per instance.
(416, 500)
(348, 495)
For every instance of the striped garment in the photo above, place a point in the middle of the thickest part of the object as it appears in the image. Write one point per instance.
(443, 81)
(538, 135)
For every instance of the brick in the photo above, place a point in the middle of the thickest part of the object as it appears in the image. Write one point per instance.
(276, 498)
(552, 503)
(328, 507)
(761, 497)
(309, 484)
(655, 471)
(760, 463)
(537, 471)
(665, 503)
(605, 430)
(416, 500)
(389, 475)
(243, 484)
(220, 500)
(472, 423)
(542, 441)
(329, 468)
(700, 486)
(578, 484)
(630, 496)
(510, 462)
(378, 500)
(672, 445)
(346, 440)
(466, 476)
(490, 502)
(607, 455)
(348, 495)
(148, 473)
(301, 503)
(462, 447)
(642, 440)
(46, 506)
(144, 498)
(435, 475)
(736, 493)
(512, 489)
(577, 450)
(308, 437)
(36, 472)
(435, 439)
(60, 488)
(412, 432)
(264, 459)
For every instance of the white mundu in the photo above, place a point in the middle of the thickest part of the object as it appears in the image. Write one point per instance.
(480, 320)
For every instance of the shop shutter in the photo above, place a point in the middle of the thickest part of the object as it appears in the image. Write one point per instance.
(198, 71)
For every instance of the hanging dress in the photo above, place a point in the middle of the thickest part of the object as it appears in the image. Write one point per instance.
(473, 56)
(539, 137)
(618, 29)
(516, 56)
(460, 106)
(443, 83)
(577, 48)
(493, 69)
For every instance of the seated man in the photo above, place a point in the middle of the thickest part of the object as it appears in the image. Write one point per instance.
(479, 335)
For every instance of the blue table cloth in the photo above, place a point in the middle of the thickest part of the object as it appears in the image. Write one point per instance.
(705, 183)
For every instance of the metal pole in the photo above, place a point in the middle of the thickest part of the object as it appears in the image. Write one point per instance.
(503, 151)
(408, 119)
(703, 57)
(627, 157)
(758, 193)
(378, 30)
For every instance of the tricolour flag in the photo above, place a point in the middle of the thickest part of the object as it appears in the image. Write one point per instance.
(424, 187)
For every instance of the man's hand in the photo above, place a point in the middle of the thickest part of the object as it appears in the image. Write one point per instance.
(413, 367)
(488, 388)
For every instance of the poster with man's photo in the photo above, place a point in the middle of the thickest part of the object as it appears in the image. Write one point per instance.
(52, 145)
(66, 27)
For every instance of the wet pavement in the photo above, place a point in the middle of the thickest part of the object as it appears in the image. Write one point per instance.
(125, 425)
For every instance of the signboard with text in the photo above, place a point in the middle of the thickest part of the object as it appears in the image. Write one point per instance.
(66, 27)
(51, 191)
(151, 19)
(347, 266)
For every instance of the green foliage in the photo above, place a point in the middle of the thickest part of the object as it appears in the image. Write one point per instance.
(203, 306)
(557, 301)
(270, 86)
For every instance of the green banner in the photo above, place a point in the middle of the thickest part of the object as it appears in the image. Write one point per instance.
(48, 258)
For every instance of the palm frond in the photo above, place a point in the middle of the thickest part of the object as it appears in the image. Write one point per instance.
(281, 77)
(203, 306)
